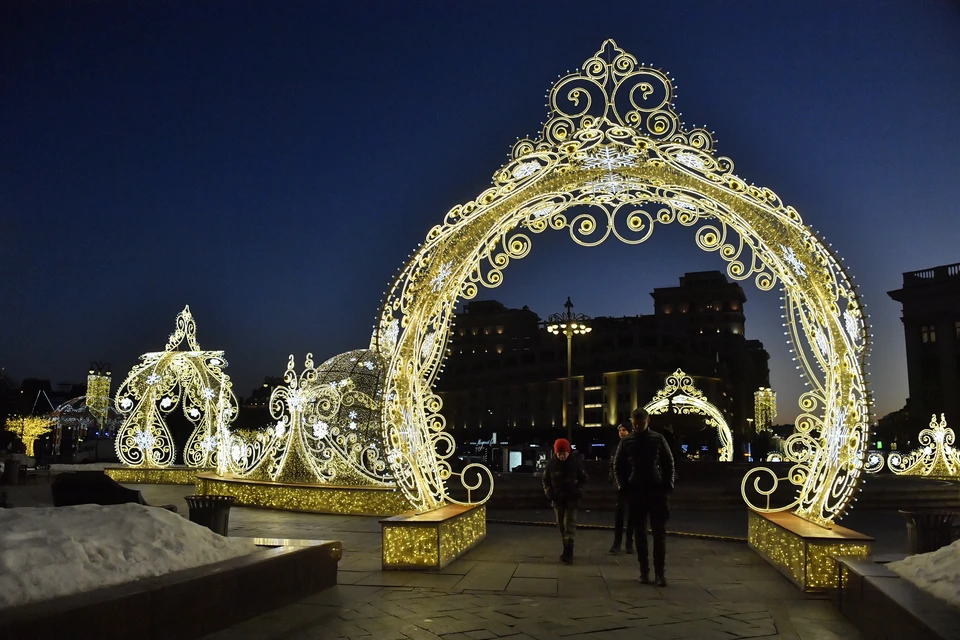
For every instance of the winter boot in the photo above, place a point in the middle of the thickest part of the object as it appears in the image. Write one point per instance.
(661, 580)
(567, 556)
(630, 546)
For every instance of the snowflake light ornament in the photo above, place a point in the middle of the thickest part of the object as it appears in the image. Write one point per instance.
(427, 345)
(441, 277)
(368, 365)
(126, 403)
(280, 428)
(295, 400)
(391, 333)
(208, 393)
(144, 440)
(823, 346)
(790, 256)
(609, 158)
(525, 169)
(320, 429)
(153, 379)
(851, 324)
(352, 415)
(543, 210)
(680, 204)
(691, 160)
(194, 413)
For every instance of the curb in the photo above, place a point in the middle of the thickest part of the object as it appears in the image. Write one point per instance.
(606, 527)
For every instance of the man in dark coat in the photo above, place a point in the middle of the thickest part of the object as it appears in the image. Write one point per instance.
(563, 480)
(623, 502)
(644, 466)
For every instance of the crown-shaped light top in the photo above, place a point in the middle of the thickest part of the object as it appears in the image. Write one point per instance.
(186, 328)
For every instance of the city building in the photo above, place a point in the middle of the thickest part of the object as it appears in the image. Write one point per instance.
(505, 374)
(931, 328)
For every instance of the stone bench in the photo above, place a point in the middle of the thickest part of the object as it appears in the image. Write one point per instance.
(881, 604)
(803, 551)
(432, 539)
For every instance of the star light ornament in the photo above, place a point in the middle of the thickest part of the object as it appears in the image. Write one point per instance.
(192, 379)
(612, 154)
(938, 456)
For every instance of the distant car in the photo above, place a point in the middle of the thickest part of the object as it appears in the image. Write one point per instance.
(95, 450)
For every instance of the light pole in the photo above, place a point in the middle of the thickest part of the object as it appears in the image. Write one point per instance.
(568, 324)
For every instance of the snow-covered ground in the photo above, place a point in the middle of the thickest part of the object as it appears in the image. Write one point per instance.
(49, 552)
(92, 466)
(937, 572)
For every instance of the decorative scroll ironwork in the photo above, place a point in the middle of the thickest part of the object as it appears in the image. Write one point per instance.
(937, 456)
(327, 428)
(681, 395)
(163, 380)
(613, 161)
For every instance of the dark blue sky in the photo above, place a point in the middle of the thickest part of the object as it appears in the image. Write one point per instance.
(273, 164)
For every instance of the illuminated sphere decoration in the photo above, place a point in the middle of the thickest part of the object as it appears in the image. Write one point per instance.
(614, 161)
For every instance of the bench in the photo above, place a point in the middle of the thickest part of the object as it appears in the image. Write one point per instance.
(802, 551)
(39, 470)
(432, 539)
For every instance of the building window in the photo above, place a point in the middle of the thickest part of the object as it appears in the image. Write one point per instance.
(667, 309)
(928, 333)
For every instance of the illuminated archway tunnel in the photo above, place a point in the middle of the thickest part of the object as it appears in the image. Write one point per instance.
(680, 395)
(613, 161)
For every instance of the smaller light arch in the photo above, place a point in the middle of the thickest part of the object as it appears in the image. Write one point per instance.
(680, 393)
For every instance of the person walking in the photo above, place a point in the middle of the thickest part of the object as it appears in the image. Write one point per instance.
(644, 466)
(623, 502)
(563, 480)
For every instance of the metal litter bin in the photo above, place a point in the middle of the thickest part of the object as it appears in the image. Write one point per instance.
(213, 512)
(929, 530)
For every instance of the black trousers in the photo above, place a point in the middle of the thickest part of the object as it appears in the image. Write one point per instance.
(623, 508)
(655, 506)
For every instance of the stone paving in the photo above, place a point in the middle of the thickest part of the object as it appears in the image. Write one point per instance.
(513, 586)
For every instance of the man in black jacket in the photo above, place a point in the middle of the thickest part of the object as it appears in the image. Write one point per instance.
(563, 480)
(644, 467)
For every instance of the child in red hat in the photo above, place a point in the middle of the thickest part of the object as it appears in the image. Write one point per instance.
(563, 480)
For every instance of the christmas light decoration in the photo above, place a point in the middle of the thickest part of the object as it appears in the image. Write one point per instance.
(97, 399)
(874, 462)
(29, 428)
(937, 456)
(327, 428)
(613, 160)
(764, 408)
(680, 395)
(162, 380)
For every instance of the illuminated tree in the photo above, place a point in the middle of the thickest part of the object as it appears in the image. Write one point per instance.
(29, 428)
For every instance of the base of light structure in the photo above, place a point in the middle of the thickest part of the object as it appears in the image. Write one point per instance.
(148, 475)
(310, 498)
(803, 551)
(433, 539)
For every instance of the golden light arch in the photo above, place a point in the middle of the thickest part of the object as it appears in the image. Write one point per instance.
(613, 160)
(680, 394)
(193, 379)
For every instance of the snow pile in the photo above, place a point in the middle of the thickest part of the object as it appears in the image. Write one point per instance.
(55, 551)
(90, 466)
(937, 572)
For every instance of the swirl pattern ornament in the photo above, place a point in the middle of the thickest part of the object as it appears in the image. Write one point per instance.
(615, 161)
(680, 395)
(162, 380)
(327, 428)
(937, 456)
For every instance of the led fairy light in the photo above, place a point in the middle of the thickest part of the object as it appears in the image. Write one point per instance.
(764, 408)
(163, 380)
(937, 456)
(613, 123)
(680, 395)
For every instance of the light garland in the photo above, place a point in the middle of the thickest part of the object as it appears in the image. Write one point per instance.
(764, 408)
(937, 456)
(97, 400)
(680, 394)
(193, 379)
(432, 542)
(613, 160)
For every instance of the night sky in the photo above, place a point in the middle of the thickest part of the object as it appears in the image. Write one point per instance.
(273, 164)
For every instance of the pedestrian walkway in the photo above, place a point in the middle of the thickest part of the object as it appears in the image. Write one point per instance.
(514, 586)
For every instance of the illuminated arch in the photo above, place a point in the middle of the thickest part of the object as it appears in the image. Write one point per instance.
(680, 393)
(612, 161)
(164, 379)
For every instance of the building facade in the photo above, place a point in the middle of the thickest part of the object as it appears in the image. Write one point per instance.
(931, 328)
(505, 373)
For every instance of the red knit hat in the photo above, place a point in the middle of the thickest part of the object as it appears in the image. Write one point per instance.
(562, 444)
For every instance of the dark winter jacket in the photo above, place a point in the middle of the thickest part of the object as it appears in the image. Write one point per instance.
(644, 462)
(563, 481)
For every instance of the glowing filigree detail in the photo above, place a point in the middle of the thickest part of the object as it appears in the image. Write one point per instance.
(680, 395)
(613, 102)
(837, 437)
(791, 257)
(852, 325)
(193, 379)
(938, 458)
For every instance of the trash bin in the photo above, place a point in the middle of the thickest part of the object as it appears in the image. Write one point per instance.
(929, 530)
(213, 512)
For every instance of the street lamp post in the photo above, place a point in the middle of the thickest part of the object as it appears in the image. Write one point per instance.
(568, 324)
